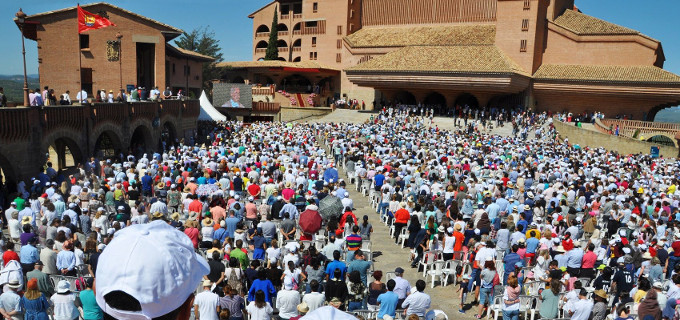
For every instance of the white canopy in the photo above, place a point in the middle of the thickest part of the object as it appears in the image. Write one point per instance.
(328, 313)
(208, 112)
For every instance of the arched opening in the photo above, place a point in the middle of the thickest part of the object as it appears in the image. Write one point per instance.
(281, 44)
(662, 140)
(297, 43)
(297, 59)
(168, 136)
(297, 26)
(404, 97)
(260, 59)
(262, 28)
(296, 83)
(281, 59)
(107, 146)
(263, 80)
(282, 27)
(669, 114)
(8, 181)
(66, 153)
(140, 142)
(467, 99)
(261, 45)
(435, 99)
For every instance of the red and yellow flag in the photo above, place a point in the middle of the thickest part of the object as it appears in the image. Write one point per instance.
(90, 21)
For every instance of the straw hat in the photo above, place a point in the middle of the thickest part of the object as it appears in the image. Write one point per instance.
(303, 307)
(26, 220)
(207, 222)
(600, 293)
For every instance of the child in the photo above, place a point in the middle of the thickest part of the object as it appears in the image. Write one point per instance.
(463, 291)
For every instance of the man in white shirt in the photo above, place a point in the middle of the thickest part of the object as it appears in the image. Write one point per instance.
(82, 96)
(206, 303)
(67, 96)
(314, 299)
(418, 302)
(287, 300)
(582, 307)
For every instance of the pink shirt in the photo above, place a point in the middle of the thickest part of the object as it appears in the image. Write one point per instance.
(589, 259)
(251, 210)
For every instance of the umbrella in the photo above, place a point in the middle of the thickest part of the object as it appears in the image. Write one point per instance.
(310, 221)
(330, 206)
(328, 313)
(206, 189)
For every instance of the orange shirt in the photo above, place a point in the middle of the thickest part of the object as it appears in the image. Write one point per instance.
(458, 245)
(402, 216)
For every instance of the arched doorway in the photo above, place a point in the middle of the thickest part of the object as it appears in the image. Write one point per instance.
(297, 27)
(140, 141)
(261, 45)
(281, 44)
(281, 27)
(262, 29)
(297, 59)
(662, 140)
(107, 145)
(168, 136)
(436, 101)
(66, 152)
(467, 99)
(404, 97)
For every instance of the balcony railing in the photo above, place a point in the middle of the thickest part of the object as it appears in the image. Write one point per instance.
(297, 32)
(297, 16)
(297, 49)
(285, 16)
(262, 34)
(283, 49)
(263, 91)
(266, 107)
(260, 50)
(283, 33)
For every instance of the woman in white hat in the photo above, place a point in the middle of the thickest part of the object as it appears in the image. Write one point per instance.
(64, 302)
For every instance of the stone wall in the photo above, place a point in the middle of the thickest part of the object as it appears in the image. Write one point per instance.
(288, 114)
(622, 145)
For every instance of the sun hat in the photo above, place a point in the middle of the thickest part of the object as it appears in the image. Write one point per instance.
(303, 307)
(153, 263)
(207, 222)
(62, 287)
(26, 220)
(600, 293)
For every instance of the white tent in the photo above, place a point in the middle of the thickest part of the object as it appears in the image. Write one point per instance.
(328, 313)
(208, 112)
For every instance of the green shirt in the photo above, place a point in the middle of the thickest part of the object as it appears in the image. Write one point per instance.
(549, 302)
(44, 284)
(241, 256)
(20, 203)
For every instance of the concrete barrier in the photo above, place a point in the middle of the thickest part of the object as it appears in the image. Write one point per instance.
(622, 145)
(288, 114)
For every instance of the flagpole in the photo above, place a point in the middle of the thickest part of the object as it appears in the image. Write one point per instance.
(80, 61)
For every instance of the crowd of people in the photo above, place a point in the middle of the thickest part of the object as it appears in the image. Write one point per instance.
(48, 97)
(260, 219)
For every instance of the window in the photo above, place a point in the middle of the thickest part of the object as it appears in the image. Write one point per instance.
(285, 9)
(187, 70)
(315, 7)
(351, 27)
(527, 4)
(173, 69)
(84, 41)
(313, 41)
(351, 14)
(525, 25)
(312, 56)
(338, 57)
(339, 43)
(523, 46)
(340, 30)
(311, 24)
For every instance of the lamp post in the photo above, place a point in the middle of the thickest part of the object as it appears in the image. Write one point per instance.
(21, 17)
(120, 57)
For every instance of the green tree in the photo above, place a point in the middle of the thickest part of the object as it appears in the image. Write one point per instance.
(203, 41)
(272, 49)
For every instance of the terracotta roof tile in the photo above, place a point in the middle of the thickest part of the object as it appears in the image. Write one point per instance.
(193, 54)
(583, 24)
(445, 59)
(423, 36)
(626, 74)
(273, 64)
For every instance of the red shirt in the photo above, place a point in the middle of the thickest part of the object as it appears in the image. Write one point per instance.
(9, 256)
(588, 261)
(458, 245)
(196, 206)
(676, 248)
(402, 216)
(254, 190)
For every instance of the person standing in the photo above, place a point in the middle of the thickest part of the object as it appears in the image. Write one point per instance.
(64, 302)
(401, 287)
(34, 303)
(388, 301)
(3, 98)
(44, 284)
(10, 307)
(207, 303)
(511, 299)
(287, 300)
(91, 310)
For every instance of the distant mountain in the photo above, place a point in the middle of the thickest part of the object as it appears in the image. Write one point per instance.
(14, 87)
(668, 115)
(19, 77)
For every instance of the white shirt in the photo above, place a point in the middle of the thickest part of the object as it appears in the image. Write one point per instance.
(81, 96)
(286, 302)
(64, 306)
(582, 309)
(417, 303)
(207, 303)
(448, 244)
(314, 300)
(259, 313)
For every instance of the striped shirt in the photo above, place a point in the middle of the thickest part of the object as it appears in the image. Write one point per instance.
(353, 242)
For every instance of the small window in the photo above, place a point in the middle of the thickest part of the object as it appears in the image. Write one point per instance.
(340, 30)
(315, 7)
(173, 69)
(351, 14)
(84, 41)
(525, 25)
(311, 24)
(339, 43)
(523, 46)
(338, 57)
(313, 41)
(527, 4)
(312, 56)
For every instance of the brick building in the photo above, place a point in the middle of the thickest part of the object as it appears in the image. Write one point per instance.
(540, 54)
(146, 57)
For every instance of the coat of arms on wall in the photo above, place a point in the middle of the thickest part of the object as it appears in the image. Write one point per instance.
(113, 50)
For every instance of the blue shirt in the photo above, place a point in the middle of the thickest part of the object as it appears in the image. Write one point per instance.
(66, 260)
(29, 254)
(330, 268)
(231, 223)
(388, 304)
(266, 286)
(574, 258)
(379, 179)
(532, 244)
(146, 182)
(510, 261)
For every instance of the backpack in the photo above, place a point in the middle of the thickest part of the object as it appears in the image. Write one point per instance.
(80, 284)
(234, 282)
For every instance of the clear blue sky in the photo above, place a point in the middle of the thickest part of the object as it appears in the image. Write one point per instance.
(228, 19)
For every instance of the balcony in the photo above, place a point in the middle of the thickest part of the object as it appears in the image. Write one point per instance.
(262, 34)
(297, 49)
(283, 49)
(283, 33)
(266, 107)
(285, 16)
(263, 91)
(297, 32)
(297, 16)
(260, 50)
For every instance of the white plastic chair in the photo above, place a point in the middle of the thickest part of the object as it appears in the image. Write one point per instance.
(437, 272)
(525, 306)
(403, 237)
(427, 261)
(449, 270)
(496, 308)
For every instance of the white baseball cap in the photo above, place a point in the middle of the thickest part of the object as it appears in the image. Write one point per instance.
(155, 264)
